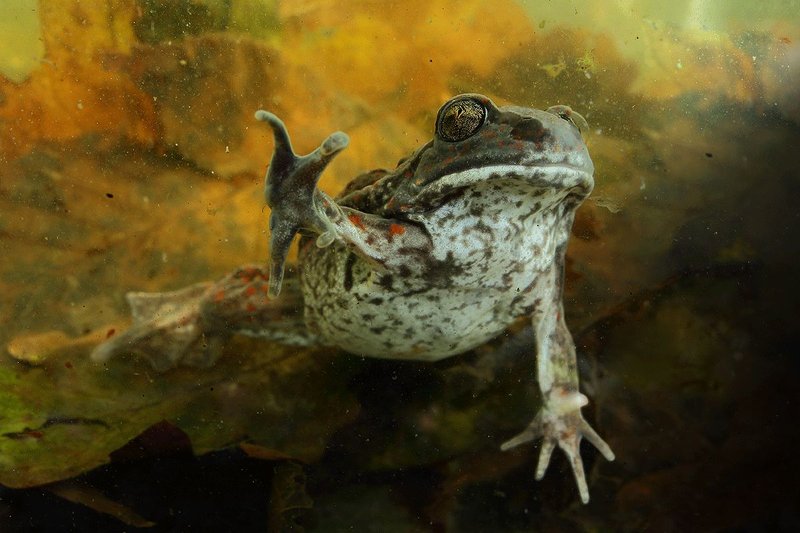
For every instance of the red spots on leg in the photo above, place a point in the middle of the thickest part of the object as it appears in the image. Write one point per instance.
(249, 274)
(250, 291)
(110, 333)
(396, 229)
(251, 308)
(219, 296)
(356, 221)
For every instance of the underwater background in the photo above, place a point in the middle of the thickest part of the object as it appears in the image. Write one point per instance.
(130, 161)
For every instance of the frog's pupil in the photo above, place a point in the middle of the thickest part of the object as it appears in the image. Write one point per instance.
(460, 120)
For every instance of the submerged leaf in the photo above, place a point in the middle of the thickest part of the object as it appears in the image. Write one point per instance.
(66, 416)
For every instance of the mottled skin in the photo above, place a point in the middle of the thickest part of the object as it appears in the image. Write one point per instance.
(423, 262)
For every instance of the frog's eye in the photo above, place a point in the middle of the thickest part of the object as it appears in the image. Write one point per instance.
(460, 119)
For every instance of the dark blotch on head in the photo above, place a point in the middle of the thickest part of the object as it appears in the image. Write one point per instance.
(529, 129)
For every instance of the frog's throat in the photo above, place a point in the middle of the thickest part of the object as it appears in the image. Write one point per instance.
(290, 190)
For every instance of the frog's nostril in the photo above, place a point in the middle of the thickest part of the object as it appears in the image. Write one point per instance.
(529, 129)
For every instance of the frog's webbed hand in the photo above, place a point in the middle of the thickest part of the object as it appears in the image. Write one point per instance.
(292, 194)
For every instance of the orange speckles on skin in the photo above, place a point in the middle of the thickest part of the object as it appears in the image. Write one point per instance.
(247, 274)
(249, 291)
(219, 296)
(356, 221)
(251, 308)
(396, 229)
(110, 333)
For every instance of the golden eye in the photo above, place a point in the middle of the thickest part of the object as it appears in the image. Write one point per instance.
(459, 119)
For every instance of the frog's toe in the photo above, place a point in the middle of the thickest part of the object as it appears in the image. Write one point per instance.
(282, 235)
(532, 432)
(592, 436)
(544, 458)
(571, 445)
(326, 239)
(336, 142)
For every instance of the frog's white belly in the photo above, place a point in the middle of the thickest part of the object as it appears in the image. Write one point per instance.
(487, 267)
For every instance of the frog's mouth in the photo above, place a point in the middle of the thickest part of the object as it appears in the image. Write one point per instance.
(560, 179)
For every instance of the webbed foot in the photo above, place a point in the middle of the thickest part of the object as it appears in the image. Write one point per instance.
(292, 194)
(560, 422)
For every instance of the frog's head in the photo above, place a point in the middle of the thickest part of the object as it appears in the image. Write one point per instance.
(477, 142)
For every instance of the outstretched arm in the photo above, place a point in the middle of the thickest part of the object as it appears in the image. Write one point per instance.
(297, 204)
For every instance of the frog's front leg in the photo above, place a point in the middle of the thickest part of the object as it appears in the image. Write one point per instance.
(292, 195)
(297, 204)
(559, 421)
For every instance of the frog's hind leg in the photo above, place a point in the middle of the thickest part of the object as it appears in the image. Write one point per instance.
(190, 326)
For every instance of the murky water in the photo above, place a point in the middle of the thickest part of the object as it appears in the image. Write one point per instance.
(131, 162)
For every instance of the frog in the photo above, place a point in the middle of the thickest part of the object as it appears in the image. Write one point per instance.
(424, 262)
